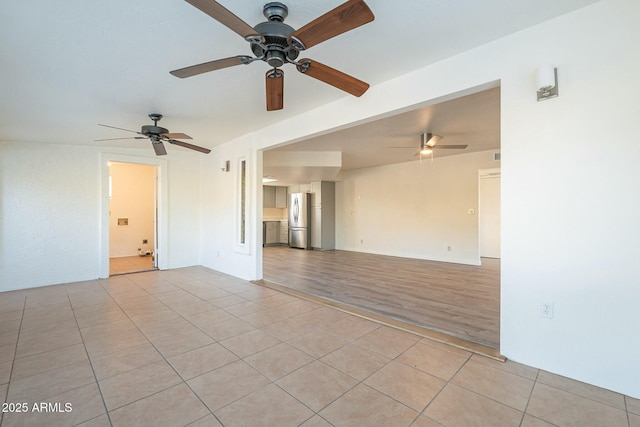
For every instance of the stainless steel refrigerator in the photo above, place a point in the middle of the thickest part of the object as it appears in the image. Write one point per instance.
(300, 220)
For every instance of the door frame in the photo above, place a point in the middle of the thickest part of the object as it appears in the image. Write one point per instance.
(162, 208)
(491, 173)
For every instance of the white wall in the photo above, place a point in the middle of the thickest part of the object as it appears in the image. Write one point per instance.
(415, 209)
(49, 215)
(133, 197)
(569, 178)
(51, 211)
(183, 170)
(219, 246)
(570, 200)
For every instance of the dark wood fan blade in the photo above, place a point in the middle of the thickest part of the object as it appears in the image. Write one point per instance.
(275, 89)
(113, 127)
(455, 147)
(343, 18)
(333, 77)
(159, 148)
(190, 146)
(210, 66)
(226, 18)
(177, 135)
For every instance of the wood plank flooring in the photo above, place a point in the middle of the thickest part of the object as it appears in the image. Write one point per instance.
(456, 299)
(130, 264)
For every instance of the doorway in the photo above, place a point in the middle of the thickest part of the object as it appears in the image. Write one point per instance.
(132, 217)
(470, 119)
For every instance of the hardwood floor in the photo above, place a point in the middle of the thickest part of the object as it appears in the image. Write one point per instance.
(130, 264)
(456, 299)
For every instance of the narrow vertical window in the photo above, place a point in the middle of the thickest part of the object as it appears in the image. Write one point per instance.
(243, 201)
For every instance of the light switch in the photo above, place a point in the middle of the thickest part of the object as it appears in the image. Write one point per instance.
(471, 211)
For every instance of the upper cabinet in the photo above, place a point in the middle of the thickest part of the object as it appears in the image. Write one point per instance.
(268, 196)
(323, 209)
(274, 197)
(281, 197)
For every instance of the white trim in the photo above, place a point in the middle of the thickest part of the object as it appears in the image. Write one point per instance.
(239, 246)
(484, 174)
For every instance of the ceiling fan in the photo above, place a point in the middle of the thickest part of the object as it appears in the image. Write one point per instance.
(428, 143)
(158, 135)
(276, 43)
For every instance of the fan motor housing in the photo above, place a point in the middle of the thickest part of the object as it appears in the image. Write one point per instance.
(275, 35)
(148, 130)
(275, 48)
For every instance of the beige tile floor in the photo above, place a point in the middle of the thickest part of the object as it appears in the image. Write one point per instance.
(195, 347)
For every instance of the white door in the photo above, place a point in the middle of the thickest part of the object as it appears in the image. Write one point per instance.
(489, 213)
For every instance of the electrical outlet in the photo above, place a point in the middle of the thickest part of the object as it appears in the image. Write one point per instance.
(546, 310)
(448, 248)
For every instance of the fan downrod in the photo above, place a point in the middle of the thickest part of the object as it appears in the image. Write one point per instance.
(155, 117)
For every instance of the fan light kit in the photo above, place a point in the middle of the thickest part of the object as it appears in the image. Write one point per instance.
(158, 135)
(428, 141)
(277, 43)
(428, 145)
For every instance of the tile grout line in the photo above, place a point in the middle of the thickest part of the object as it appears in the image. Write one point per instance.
(358, 381)
(162, 355)
(241, 359)
(15, 352)
(582, 396)
(445, 386)
(273, 382)
(524, 413)
(626, 407)
(95, 377)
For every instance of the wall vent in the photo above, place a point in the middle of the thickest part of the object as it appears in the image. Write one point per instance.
(496, 157)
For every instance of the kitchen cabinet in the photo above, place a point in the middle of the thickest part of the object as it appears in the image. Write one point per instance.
(323, 215)
(274, 197)
(281, 197)
(268, 196)
(302, 188)
(271, 233)
(284, 232)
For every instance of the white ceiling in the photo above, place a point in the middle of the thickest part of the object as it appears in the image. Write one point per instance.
(69, 65)
(472, 120)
